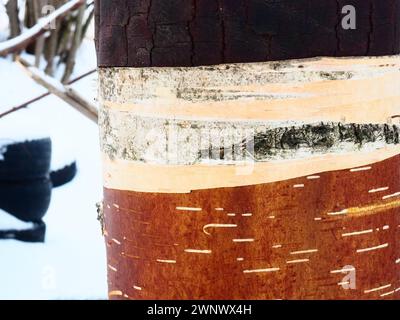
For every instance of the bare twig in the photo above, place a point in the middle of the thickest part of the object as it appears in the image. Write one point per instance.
(44, 95)
(84, 75)
(24, 105)
(65, 93)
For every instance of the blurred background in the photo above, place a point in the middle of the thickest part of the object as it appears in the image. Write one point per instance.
(48, 89)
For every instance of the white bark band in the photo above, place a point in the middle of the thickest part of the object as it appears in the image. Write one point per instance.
(354, 90)
(339, 113)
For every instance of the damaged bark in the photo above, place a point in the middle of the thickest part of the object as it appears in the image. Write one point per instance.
(153, 138)
(205, 32)
(186, 215)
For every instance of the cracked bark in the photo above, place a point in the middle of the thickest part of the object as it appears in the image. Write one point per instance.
(341, 181)
(262, 143)
(191, 33)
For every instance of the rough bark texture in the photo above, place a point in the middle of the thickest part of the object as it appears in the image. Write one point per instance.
(180, 228)
(143, 33)
(235, 141)
(321, 198)
(294, 240)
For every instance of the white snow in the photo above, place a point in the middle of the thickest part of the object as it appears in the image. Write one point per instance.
(53, 83)
(21, 126)
(8, 222)
(63, 150)
(25, 124)
(72, 262)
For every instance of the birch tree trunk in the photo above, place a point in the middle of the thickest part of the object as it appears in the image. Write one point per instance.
(250, 148)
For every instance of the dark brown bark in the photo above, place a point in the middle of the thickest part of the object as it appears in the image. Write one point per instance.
(142, 33)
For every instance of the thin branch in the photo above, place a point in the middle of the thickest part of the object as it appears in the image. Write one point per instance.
(66, 93)
(84, 75)
(44, 95)
(24, 105)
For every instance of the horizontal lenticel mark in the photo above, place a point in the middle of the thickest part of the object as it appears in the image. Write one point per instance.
(382, 246)
(188, 209)
(200, 251)
(261, 270)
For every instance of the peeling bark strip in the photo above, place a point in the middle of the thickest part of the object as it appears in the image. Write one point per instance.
(142, 177)
(250, 179)
(144, 33)
(145, 111)
(309, 90)
(174, 142)
(303, 252)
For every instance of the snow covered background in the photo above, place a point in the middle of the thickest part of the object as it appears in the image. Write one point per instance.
(72, 262)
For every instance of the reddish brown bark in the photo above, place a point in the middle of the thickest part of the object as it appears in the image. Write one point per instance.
(145, 228)
(281, 240)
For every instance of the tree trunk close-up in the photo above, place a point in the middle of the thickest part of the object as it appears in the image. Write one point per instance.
(251, 148)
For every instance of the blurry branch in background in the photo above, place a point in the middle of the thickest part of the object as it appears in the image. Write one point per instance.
(52, 31)
(51, 44)
(64, 92)
(21, 41)
(76, 41)
(44, 95)
(56, 45)
(32, 17)
(13, 13)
